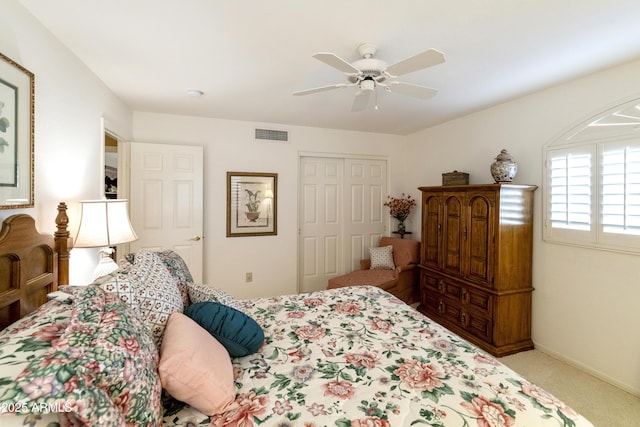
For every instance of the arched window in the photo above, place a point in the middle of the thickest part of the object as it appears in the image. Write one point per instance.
(592, 188)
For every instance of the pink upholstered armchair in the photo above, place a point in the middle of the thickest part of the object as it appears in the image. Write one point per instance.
(402, 281)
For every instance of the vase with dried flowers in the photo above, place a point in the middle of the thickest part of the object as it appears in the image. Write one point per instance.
(400, 208)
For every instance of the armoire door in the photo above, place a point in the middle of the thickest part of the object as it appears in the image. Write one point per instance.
(341, 216)
(431, 230)
(480, 237)
(453, 232)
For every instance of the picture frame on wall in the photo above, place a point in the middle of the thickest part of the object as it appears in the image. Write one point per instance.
(16, 135)
(252, 204)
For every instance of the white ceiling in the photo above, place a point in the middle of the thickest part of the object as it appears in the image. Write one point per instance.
(249, 56)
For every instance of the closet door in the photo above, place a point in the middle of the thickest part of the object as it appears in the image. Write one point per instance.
(365, 192)
(341, 216)
(320, 248)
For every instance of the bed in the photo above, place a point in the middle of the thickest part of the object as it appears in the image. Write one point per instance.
(354, 356)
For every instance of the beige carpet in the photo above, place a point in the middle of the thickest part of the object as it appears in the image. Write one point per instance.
(601, 403)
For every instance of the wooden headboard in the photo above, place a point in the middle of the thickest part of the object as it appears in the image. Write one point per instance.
(31, 264)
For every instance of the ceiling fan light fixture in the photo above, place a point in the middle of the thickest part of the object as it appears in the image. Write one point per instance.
(368, 73)
(367, 85)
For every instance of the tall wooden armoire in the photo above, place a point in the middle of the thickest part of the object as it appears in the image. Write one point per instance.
(476, 263)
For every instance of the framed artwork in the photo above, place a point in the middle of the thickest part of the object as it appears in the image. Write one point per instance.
(16, 135)
(252, 204)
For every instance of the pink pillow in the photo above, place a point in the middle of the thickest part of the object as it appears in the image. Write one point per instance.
(195, 368)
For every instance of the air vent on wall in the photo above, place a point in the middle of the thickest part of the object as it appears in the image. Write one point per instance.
(272, 135)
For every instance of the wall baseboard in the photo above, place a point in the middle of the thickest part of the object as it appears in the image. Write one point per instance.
(589, 370)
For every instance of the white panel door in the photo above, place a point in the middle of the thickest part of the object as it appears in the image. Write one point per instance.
(341, 211)
(321, 216)
(166, 200)
(365, 183)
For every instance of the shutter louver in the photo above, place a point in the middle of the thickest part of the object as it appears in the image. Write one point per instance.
(620, 180)
(570, 191)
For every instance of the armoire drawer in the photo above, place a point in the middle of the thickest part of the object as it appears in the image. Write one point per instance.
(468, 297)
(452, 312)
(478, 325)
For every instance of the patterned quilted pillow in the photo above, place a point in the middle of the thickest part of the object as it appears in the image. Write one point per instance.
(150, 290)
(382, 258)
(177, 268)
(101, 371)
(157, 295)
(205, 293)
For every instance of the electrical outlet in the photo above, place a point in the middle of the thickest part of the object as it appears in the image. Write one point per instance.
(248, 277)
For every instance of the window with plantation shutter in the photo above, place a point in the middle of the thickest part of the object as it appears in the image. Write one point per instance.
(592, 191)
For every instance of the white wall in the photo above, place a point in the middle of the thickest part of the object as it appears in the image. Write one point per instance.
(585, 303)
(70, 103)
(230, 146)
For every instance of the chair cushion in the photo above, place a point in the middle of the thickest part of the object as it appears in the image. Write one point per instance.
(384, 279)
(382, 258)
(405, 251)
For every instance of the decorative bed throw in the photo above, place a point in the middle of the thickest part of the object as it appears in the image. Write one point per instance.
(101, 370)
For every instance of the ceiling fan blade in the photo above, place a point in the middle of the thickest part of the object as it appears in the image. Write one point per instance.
(361, 100)
(422, 60)
(321, 89)
(336, 62)
(409, 89)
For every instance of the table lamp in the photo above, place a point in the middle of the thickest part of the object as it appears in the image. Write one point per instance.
(104, 223)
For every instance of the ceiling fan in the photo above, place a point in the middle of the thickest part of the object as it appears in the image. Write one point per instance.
(369, 73)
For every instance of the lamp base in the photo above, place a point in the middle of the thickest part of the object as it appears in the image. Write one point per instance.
(105, 266)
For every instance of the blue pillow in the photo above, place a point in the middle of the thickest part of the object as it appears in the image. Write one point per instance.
(237, 332)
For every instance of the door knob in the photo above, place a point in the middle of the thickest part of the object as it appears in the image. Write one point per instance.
(195, 238)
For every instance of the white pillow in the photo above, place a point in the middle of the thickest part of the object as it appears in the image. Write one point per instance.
(382, 258)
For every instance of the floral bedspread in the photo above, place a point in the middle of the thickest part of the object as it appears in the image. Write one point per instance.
(87, 363)
(360, 357)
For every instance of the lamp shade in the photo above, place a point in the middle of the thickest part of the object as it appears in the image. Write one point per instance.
(104, 223)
